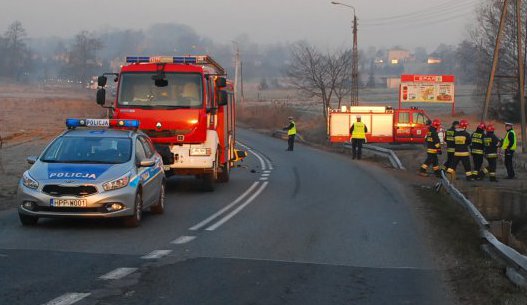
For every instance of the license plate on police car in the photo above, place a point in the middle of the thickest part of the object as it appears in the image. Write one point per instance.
(68, 203)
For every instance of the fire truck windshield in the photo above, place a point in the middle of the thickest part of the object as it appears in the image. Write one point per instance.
(184, 90)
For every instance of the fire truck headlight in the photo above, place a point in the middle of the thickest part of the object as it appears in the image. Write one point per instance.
(200, 151)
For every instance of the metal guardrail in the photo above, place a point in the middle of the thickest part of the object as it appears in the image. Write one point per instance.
(510, 256)
(383, 152)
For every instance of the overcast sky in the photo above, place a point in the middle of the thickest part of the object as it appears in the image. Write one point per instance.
(382, 23)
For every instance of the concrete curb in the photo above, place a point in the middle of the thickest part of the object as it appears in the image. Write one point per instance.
(516, 262)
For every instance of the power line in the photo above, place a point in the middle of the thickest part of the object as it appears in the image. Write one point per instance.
(419, 21)
(422, 14)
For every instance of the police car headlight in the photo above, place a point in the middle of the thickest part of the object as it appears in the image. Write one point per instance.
(200, 151)
(117, 183)
(29, 182)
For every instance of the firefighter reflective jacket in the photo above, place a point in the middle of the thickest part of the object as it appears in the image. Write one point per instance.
(477, 146)
(510, 141)
(432, 141)
(450, 142)
(491, 142)
(462, 139)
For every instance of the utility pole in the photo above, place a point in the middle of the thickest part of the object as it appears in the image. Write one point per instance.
(241, 80)
(521, 74)
(236, 70)
(495, 60)
(355, 66)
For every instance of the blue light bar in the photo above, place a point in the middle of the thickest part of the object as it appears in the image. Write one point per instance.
(73, 123)
(162, 59)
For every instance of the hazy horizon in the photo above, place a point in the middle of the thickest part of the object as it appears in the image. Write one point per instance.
(409, 23)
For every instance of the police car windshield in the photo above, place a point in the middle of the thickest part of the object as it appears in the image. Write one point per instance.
(183, 90)
(88, 150)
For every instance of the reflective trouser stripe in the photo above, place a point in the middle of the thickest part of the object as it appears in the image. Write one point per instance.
(477, 151)
(462, 154)
(431, 151)
(492, 174)
(469, 174)
(491, 156)
(451, 150)
(450, 170)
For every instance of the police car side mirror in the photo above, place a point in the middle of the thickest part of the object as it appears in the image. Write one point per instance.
(101, 96)
(223, 98)
(32, 159)
(146, 163)
(101, 81)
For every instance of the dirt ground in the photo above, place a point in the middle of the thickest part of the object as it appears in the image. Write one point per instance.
(29, 118)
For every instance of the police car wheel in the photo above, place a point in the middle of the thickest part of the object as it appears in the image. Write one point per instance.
(134, 220)
(159, 208)
(28, 220)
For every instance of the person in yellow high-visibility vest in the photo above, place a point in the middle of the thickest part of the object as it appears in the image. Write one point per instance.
(509, 146)
(358, 132)
(291, 134)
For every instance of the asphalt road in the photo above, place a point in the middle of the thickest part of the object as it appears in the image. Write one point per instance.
(302, 227)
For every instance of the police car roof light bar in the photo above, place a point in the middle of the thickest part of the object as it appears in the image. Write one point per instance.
(73, 123)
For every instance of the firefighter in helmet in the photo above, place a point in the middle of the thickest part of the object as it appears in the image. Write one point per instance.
(477, 149)
(462, 152)
(491, 142)
(450, 144)
(433, 148)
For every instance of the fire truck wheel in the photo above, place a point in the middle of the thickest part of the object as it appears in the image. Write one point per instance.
(225, 173)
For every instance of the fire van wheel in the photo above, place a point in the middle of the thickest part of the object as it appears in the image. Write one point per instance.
(27, 220)
(159, 208)
(134, 220)
(207, 182)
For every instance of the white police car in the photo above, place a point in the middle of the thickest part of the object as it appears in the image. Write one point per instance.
(94, 172)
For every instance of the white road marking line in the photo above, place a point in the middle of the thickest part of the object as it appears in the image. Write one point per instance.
(183, 240)
(267, 172)
(156, 254)
(215, 215)
(262, 162)
(266, 175)
(238, 209)
(264, 179)
(118, 273)
(68, 298)
(269, 163)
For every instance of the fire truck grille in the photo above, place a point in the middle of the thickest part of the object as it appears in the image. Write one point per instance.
(79, 191)
(166, 133)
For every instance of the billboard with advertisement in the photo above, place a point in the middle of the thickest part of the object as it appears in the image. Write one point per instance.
(427, 89)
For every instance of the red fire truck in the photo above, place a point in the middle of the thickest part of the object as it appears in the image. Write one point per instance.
(186, 105)
(385, 124)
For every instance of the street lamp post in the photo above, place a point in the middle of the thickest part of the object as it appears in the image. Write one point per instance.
(355, 58)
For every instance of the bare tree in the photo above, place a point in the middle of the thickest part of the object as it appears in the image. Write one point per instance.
(17, 54)
(82, 61)
(320, 76)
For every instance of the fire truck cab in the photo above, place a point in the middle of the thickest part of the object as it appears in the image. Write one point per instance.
(186, 106)
(385, 124)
